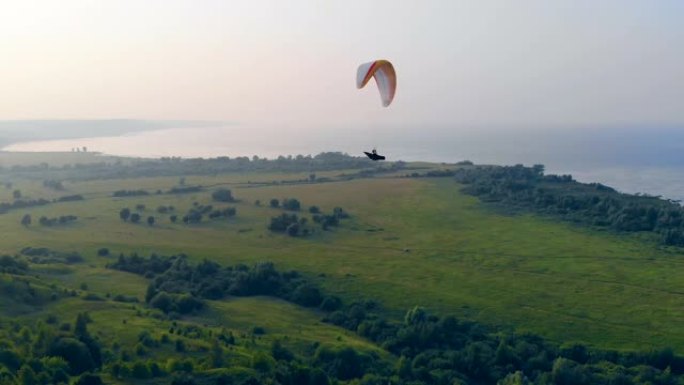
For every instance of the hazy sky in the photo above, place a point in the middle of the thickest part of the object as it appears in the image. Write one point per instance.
(462, 65)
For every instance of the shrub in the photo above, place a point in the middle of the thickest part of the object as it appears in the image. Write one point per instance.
(223, 195)
(291, 204)
(135, 217)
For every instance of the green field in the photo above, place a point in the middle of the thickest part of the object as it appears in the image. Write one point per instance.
(408, 242)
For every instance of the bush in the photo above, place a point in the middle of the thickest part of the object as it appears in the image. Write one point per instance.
(223, 195)
(331, 303)
(291, 204)
(125, 213)
(293, 229)
(103, 252)
(89, 379)
(307, 295)
(281, 223)
(70, 198)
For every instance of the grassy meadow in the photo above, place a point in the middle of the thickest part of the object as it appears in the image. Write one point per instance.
(409, 241)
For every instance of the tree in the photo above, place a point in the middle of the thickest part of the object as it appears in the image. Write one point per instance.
(135, 217)
(89, 379)
(27, 376)
(26, 220)
(163, 302)
(216, 354)
(568, 372)
(291, 204)
(151, 293)
(140, 370)
(16, 194)
(150, 220)
(274, 203)
(307, 295)
(173, 218)
(517, 378)
(314, 210)
(82, 320)
(331, 303)
(180, 346)
(223, 195)
(125, 213)
(281, 353)
(75, 352)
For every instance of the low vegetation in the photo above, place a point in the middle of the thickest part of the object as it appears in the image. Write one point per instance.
(516, 299)
(591, 204)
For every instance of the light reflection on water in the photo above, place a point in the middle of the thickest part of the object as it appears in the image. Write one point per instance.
(631, 164)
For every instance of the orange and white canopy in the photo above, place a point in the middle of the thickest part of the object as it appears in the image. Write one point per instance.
(385, 77)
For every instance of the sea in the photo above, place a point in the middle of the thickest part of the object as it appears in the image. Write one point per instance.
(635, 160)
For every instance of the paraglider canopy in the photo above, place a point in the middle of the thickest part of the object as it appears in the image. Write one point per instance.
(385, 77)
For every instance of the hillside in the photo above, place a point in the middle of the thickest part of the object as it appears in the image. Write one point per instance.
(381, 239)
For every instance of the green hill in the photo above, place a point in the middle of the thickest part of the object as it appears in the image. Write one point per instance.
(406, 242)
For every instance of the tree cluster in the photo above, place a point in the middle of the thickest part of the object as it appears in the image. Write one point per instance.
(46, 354)
(290, 224)
(70, 198)
(13, 265)
(196, 213)
(21, 204)
(223, 195)
(61, 220)
(294, 225)
(165, 209)
(330, 220)
(445, 350)
(43, 255)
(178, 286)
(197, 166)
(227, 212)
(592, 204)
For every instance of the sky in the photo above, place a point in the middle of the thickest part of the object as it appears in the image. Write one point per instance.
(290, 65)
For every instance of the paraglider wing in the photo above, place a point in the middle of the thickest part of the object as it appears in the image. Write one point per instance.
(385, 77)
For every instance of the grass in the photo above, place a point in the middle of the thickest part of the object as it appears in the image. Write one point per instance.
(298, 327)
(409, 242)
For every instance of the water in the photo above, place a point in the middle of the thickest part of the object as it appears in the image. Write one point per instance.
(633, 161)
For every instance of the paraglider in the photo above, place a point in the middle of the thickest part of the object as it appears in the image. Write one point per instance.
(374, 155)
(386, 79)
